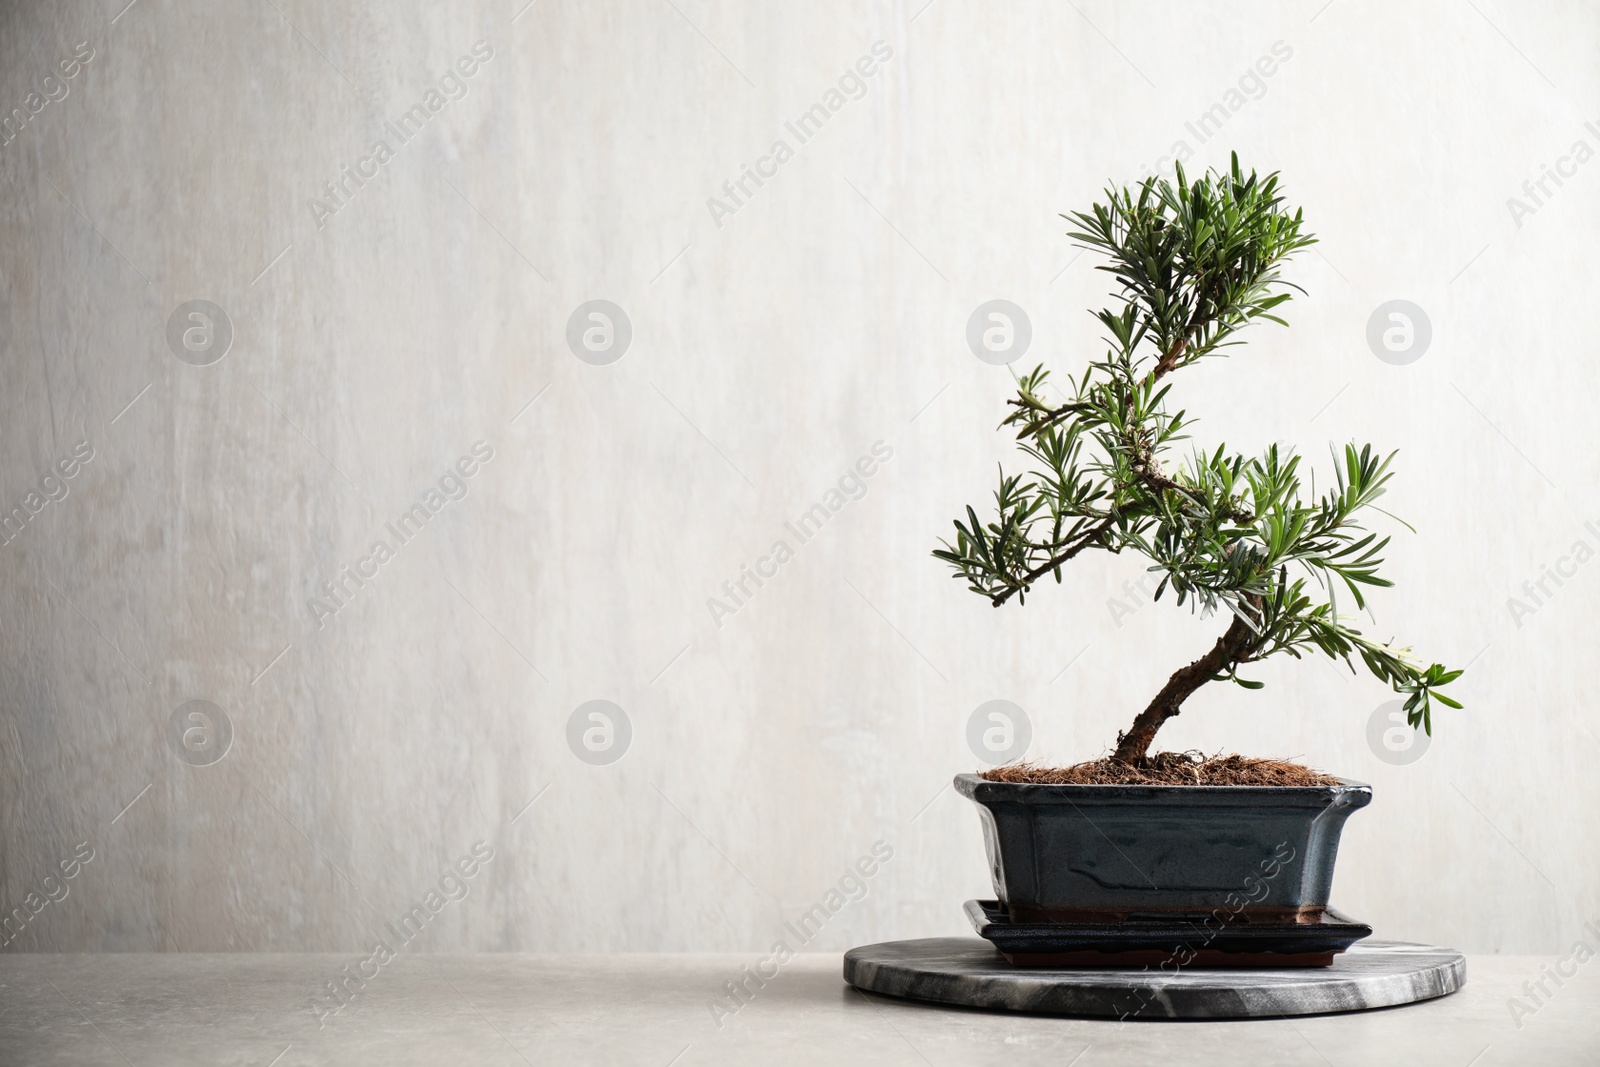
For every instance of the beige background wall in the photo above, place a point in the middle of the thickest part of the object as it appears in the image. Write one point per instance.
(370, 353)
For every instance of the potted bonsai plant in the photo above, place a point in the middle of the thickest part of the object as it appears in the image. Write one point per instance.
(1138, 834)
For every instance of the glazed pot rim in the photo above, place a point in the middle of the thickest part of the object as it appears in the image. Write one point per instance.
(977, 788)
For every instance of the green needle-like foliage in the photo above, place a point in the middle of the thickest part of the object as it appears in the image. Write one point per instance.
(1195, 262)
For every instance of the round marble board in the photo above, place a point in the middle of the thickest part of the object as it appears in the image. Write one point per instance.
(969, 972)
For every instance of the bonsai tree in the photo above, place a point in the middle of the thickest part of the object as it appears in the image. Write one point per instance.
(1195, 263)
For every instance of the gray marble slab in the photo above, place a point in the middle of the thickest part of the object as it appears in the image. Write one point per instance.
(971, 973)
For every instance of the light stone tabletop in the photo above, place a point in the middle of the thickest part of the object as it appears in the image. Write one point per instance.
(169, 1010)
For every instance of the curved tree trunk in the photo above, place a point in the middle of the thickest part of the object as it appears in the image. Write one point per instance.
(1133, 746)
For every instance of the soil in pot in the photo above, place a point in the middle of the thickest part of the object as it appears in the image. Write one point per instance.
(1166, 768)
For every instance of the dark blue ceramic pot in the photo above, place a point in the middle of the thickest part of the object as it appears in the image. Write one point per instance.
(1109, 853)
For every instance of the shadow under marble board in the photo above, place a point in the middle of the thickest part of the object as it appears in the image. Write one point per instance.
(971, 973)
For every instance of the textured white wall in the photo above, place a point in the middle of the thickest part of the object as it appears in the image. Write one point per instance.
(771, 348)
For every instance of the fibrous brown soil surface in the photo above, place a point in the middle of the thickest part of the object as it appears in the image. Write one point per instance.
(1166, 768)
